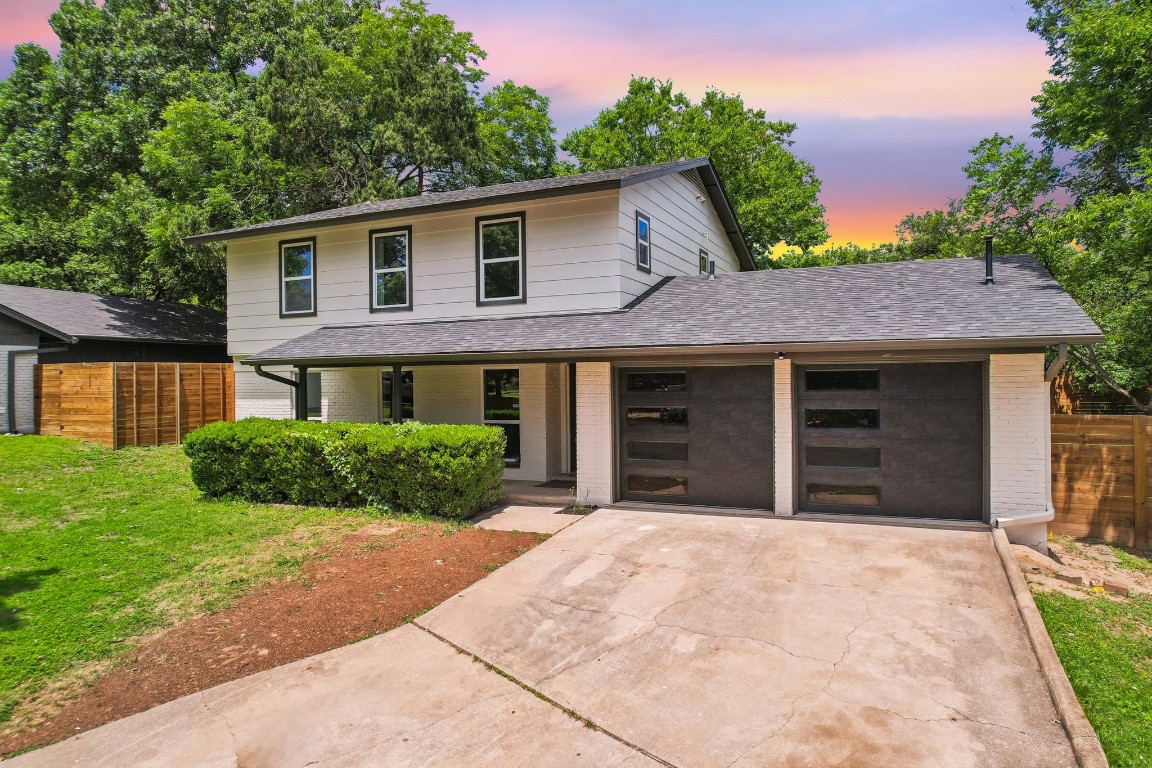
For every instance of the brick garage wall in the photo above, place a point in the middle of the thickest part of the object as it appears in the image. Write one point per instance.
(783, 442)
(25, 391)
(595, 463)
(1019, 437)
(256, 396)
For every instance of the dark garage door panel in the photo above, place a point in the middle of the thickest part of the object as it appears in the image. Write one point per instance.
(728, 437)
(930, 437)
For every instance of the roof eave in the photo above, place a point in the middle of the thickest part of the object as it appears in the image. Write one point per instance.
(37, 325)
(610, 353)
(719, 200)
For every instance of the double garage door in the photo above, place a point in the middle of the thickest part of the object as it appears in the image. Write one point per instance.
(903, 440)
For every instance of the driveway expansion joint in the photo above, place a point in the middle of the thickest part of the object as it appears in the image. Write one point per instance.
(546, 699)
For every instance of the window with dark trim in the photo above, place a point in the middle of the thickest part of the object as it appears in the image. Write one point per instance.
(846, 495)
(298, 277)
(657, 381)
(703, 261)
(315, 396)
(390, 257)
(643, 242)
(500, 262)
(842, 418)
(657, 485)
(841, 379)
(502, 408)
(407, 398)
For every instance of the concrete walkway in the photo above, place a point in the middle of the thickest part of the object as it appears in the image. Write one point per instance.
(683, 640)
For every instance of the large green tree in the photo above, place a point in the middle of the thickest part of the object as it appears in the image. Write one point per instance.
(158, 120)
(773, 191)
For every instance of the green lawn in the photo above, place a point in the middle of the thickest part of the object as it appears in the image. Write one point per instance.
(1106, 648)
(99, 547)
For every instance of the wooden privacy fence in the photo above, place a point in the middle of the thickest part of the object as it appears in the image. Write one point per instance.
(132, 404)
(1100, 468)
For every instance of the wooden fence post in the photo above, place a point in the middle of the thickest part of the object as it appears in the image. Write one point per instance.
(115, 406)
(179, 404)
(1140, 465)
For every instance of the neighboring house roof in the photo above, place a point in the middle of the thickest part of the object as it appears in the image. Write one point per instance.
(71, 316)
(913, 304)
(432, 202)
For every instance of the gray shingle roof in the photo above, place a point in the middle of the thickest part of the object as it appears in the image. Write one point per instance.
(921, 304)
(85, 316)
(501, 193)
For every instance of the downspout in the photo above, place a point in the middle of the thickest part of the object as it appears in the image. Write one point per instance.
(1049, 514)
(10, 427)
(300, 386)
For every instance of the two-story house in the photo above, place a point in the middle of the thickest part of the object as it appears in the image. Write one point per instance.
(614, 325)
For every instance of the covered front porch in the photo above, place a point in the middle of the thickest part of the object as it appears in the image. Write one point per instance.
(534, 403)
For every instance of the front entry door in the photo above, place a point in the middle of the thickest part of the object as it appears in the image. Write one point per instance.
(697, 435)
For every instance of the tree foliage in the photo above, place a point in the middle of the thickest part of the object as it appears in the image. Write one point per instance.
(773, 192)
(159, 120)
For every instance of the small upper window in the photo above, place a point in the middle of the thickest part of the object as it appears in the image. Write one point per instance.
(500, 258)
(643, 242)
(298, 277)
(391, 269)
(703, 261)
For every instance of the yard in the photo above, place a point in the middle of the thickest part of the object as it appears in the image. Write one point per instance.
(100, 550)
(1104, 642)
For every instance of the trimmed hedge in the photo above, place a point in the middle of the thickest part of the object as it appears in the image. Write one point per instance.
(445, 470)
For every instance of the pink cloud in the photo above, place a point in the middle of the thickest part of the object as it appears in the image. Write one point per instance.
(26, 21)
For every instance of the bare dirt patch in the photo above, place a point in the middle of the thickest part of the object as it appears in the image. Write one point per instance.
(1081, 568)
(371, 582)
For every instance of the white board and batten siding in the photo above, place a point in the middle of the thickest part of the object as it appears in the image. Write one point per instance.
(572, 250)
(683, 222)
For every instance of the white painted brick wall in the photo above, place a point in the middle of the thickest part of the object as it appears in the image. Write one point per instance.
(556, 375)
(1019, 435)
(256, 396)
(783, 448)
(25, 391)
(595, 465)
(454, 394)
(350, 394)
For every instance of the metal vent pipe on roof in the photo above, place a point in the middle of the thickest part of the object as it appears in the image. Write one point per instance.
(988, 278)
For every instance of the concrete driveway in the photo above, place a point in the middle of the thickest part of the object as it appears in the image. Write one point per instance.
(645, 639)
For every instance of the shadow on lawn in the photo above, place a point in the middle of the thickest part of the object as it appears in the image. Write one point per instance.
(19, 582)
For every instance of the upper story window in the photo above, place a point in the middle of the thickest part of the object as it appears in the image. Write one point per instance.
(391, 256)
(500, 268)
(643, 242)
(298, 277)
(703, 261)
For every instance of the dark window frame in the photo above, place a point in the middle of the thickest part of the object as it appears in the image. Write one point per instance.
(646, 265)
(386, 391)
(280, 287)
(703, 261)
(518, 421)
(832, 372)
(372, 271)
(522, 219)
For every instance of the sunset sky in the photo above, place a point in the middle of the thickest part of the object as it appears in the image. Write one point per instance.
(888, 94)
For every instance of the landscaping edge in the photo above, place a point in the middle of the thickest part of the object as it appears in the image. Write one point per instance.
(1085, 743)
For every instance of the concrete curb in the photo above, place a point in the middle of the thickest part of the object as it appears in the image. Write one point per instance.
(1085, 742)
